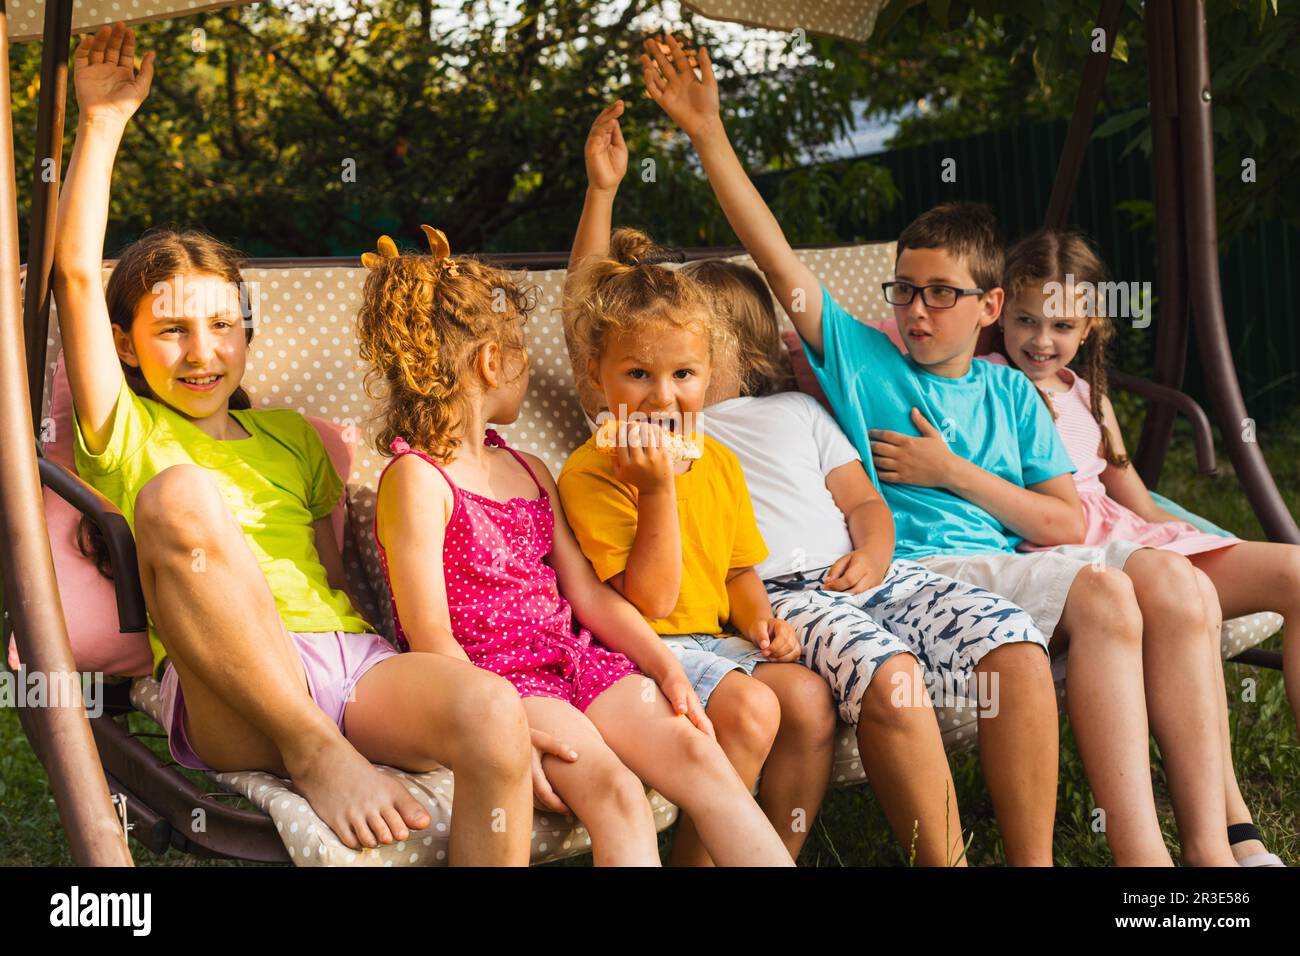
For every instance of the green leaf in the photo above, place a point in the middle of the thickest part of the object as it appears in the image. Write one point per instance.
(1118, 122)
(1254, 126)
(1120, 51)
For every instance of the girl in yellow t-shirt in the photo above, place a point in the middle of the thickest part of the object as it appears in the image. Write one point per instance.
(262, 656)
(674, 533)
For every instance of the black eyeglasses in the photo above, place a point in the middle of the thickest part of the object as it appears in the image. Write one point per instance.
(934, 296)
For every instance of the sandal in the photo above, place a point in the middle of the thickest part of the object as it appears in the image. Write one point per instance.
(1243, 833)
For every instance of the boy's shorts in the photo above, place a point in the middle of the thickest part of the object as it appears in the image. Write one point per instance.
(707, 658)
(333, 660)
(1038, 581)
(946, 625)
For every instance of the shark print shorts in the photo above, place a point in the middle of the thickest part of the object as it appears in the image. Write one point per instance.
(946, 625)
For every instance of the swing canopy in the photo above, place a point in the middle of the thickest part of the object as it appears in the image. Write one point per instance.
(303, 357)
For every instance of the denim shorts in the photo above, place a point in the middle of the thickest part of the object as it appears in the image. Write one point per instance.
(707, 658)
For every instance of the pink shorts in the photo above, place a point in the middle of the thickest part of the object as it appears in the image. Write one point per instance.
(334, 662)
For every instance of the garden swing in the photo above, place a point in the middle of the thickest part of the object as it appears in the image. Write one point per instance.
(303, 357)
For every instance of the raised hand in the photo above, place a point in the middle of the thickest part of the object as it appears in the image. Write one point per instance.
(605, 152)
(107, 83)
(669, 70)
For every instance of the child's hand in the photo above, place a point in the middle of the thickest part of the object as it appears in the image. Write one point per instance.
(776, 639)
(644, 461)
(544, 797)
(108, 87)
(605, 152)
(854, 573)
(683, 700)
(669, 71)
(925, 461)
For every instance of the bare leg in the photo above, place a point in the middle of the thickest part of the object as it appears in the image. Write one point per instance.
(1235, 802)
(605, 795)
(745, 716)
(1261, 576)
(1182, 690)
(669, 753)
(798, 768)
(421, 711)
(1019, 749)
(903, 755)
(1103, 628)
(245, 688)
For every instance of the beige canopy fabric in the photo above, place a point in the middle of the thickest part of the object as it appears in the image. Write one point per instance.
(27, 17)
(850, 19)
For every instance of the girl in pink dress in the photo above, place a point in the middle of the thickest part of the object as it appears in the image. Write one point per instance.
(1053, 308)
(482, 566)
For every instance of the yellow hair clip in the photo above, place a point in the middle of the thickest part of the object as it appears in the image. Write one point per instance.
(387, 250)
(439, 248)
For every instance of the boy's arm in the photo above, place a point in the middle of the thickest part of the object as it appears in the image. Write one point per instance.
(1125, 485)
(871, 528)
(692, 102)
(1047, 512)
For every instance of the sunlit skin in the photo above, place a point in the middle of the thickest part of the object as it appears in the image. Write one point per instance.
(1038, 344)
(942, 341)
(172, 349)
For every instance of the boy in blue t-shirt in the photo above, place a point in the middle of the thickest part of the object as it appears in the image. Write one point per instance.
(1013, 480)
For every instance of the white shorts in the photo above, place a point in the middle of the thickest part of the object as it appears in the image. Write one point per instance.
(1038, 581)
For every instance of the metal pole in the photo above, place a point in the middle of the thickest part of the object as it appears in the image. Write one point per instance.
(1202, 240)
(45, 195)
(1085, 108)
(1171, 249)
(64, 740)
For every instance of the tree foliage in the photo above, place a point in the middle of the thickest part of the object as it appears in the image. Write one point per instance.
(472, 115)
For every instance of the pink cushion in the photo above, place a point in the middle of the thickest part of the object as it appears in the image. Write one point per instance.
(87, 596)
(804, 377)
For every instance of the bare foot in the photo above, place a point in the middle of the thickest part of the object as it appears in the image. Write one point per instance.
(363, 806)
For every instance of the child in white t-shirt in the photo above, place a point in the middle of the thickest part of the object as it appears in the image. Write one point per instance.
(877, 629)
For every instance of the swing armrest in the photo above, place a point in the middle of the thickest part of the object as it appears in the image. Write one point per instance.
(1202, 436)
(121, 543)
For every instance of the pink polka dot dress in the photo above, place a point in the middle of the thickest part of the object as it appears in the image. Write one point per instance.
(505, 606)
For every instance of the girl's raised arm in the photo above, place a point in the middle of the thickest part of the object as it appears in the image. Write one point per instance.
(109, 91)
(605, 155)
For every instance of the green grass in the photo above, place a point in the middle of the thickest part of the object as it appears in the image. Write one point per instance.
(851, 830)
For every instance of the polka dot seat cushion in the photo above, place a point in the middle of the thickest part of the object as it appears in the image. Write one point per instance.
(303, 356)
(309, 842)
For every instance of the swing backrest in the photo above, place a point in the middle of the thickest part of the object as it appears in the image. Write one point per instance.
(303, 356)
